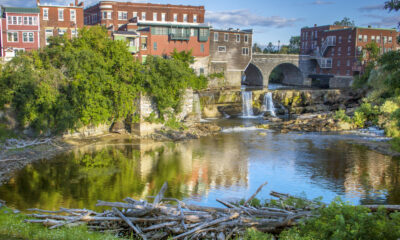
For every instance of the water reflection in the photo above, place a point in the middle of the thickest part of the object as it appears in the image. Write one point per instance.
(232, 164)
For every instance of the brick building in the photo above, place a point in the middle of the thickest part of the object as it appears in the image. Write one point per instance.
(230, 53)
(19, 30)
(334, 51)
(155, 29)
(59, 20)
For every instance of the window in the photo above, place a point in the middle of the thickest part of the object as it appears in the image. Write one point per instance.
(365, 39)
(226, 37)
(237, 38)
(48, 34)
(60, 14)
(12, 37)
(144, 43)
(221, 48)
(340, 39)
(26, 21)
(347, 72)
(195, 18)
(134, 15)
(185, 17)
(73, 15)
(348, 63)
(14, 20)
(360, 37)
(192, 32)
(349, 39)
(333, 52)
(246, 38)
(202, 47)
(348, 51)
(144, 16)
(163, 17)
(74, 33)
(122, 15)
(9, 20)
(175, 17)
(373, 38)
(339, 51)
(201, 71)
(378, 39)
(216, 36)
(155, 46)
(338, 63)
(384, 39)
(27, 37)
(61, 32)
(245, 51)
(390, 39)
(19, 22)
(155, 16)
(359, 49)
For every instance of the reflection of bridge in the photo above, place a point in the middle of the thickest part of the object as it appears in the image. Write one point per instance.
(262, 65)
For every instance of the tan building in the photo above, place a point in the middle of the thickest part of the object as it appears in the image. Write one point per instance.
(230, 53)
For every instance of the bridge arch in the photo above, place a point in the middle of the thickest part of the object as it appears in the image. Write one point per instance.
(262, 65)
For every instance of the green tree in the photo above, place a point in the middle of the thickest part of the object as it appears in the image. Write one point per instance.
(345, 22)
(256, 48)
(183, 56)
(294, 45)
(269, 49)
(285, 49)
(392, 5)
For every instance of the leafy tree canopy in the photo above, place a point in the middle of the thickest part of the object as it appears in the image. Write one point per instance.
(345, 22)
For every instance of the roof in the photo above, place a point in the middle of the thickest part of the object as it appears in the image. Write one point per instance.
(126, 33)
(366, 28)
(20, 10)
(171, 24)
(233, 30)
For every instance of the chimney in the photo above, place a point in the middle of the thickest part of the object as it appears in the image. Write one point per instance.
(315, 25)
(38, 2)
(369, 26)
(76, 2)
(71, 4)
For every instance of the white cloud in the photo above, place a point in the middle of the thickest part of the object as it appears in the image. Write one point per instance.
(383, 21)
(371, 8)
(245, 18)
(320, 2)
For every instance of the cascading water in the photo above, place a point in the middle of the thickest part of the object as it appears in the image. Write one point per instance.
(268, 105)
(247, 104)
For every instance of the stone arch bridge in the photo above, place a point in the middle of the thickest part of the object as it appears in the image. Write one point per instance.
(261, 66)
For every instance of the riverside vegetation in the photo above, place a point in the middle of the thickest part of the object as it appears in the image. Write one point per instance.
(90, 80)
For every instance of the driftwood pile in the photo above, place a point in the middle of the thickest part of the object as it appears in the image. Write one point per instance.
(161, 219)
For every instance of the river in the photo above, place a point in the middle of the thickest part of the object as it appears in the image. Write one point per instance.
(230, 165)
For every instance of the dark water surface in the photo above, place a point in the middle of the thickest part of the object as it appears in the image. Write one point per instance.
(231, 165)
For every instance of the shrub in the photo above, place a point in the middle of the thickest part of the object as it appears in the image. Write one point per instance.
(341, 116)
(343, 221)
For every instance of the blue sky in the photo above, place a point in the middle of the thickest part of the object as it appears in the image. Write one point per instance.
(274, 20)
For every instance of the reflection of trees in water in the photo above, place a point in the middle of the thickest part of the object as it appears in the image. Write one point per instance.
(80, 178)
(361, 173)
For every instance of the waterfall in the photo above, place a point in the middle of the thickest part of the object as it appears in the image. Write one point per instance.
(247, 103)
(268, 105)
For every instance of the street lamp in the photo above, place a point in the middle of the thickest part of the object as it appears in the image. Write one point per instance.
(279, 44)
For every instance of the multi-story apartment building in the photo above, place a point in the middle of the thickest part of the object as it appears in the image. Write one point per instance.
(155, 29)
(19, 30)
(336, 51)
(56, 20)
(230, 53)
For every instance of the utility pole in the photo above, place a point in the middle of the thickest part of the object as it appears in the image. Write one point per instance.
(279, 44)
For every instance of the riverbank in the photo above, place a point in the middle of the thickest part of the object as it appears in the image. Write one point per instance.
(14, 159)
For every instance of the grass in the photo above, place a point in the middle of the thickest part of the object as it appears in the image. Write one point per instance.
(12, 226)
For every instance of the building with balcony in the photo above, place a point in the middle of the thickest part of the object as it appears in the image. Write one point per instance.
(19, 30)
(335, 51)
(155, 29)
(58, 20)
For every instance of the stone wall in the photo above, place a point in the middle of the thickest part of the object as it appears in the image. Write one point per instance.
(340, 82)
(218, 103)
